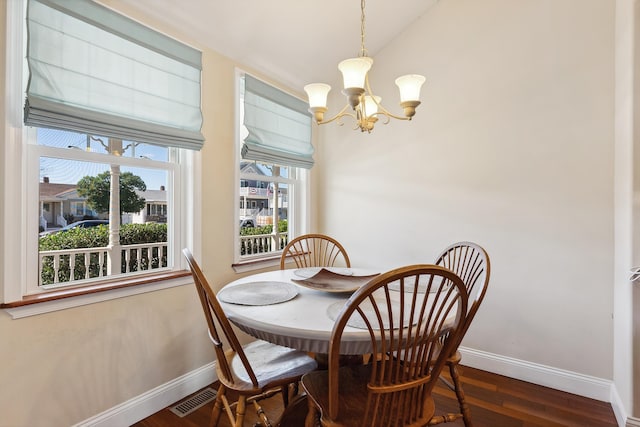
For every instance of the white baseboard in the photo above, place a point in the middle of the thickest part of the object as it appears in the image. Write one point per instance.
(570, 382)
(154, 400)
(162, 396)
(633, 422)
(618, 408)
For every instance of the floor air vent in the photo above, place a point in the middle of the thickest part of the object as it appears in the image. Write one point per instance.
(196, 401)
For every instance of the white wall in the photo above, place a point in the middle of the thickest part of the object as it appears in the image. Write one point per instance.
(512, 148)
(627, 210)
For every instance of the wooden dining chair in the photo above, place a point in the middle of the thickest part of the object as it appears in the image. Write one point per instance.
(471, 263)
(256, 371)
(315, 250)
(411, 333)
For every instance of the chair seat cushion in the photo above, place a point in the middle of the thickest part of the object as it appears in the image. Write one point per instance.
(272, 363)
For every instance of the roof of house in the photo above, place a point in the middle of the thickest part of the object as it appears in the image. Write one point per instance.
(153, 195)
(58, 192)
(51, 191)
(251, 167)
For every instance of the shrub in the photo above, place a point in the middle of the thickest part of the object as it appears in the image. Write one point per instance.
(96, 237)
(132, 234)
(252, 231)
(267, 229)
(257, 246)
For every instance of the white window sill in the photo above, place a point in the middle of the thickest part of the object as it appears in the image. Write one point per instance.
(256, 264)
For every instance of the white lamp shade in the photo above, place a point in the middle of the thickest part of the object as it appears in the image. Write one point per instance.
(317, 93)
(354, 71)
(370, 106)
(410, 87)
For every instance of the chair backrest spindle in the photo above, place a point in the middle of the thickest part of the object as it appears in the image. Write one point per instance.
(471, 263)
(315, 250)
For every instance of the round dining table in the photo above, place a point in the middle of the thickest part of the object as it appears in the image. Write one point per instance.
(303, 322)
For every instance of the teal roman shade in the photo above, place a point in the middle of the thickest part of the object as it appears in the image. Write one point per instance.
(279, 126)
(92, 70)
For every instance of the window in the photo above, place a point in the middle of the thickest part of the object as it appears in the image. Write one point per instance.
(78, 169)
(274, 154)
(60, 166)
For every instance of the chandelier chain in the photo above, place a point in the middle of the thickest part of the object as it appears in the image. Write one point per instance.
(363, 51)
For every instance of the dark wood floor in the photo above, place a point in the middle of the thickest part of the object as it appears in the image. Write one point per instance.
(495, 401)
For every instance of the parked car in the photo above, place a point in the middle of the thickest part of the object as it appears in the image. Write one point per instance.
(88, 223)
(247, 223)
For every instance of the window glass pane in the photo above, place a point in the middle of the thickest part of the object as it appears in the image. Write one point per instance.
(261, 189)
(69, 172)
(261, 168)
(99, 144)
(75, 229)
(146, 151)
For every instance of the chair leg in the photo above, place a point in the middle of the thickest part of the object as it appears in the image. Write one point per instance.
(264, 421)
(285, 395)
(217, 406)
(312, 415)
(464, 407)
(241, 408)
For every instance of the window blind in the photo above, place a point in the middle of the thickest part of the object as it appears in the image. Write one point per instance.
(279, 126)
(95, 71)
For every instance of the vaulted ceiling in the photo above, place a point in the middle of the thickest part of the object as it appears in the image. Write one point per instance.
(293, 41)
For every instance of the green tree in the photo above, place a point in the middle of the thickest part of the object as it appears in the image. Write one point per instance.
(96, 189)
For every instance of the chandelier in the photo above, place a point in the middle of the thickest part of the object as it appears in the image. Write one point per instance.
(366, 106)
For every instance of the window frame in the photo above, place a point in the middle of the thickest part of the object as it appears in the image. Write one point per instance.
(298, 216)
(20, 181)
(35, 151)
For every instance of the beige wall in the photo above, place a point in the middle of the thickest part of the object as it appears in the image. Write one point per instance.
(512, 148)
(61, 368)
(64, 367)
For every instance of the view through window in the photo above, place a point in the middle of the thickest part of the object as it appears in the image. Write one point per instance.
(90, 229)
(263, 208)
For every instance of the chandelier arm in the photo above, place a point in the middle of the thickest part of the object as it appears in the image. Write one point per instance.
(387, 117)
(339, 115)
(381, 109)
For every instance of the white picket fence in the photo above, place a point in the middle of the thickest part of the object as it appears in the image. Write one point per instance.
(70, 265)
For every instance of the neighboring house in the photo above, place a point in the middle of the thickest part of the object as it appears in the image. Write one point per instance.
(155, 209)
(254, 194)
(60, 205)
